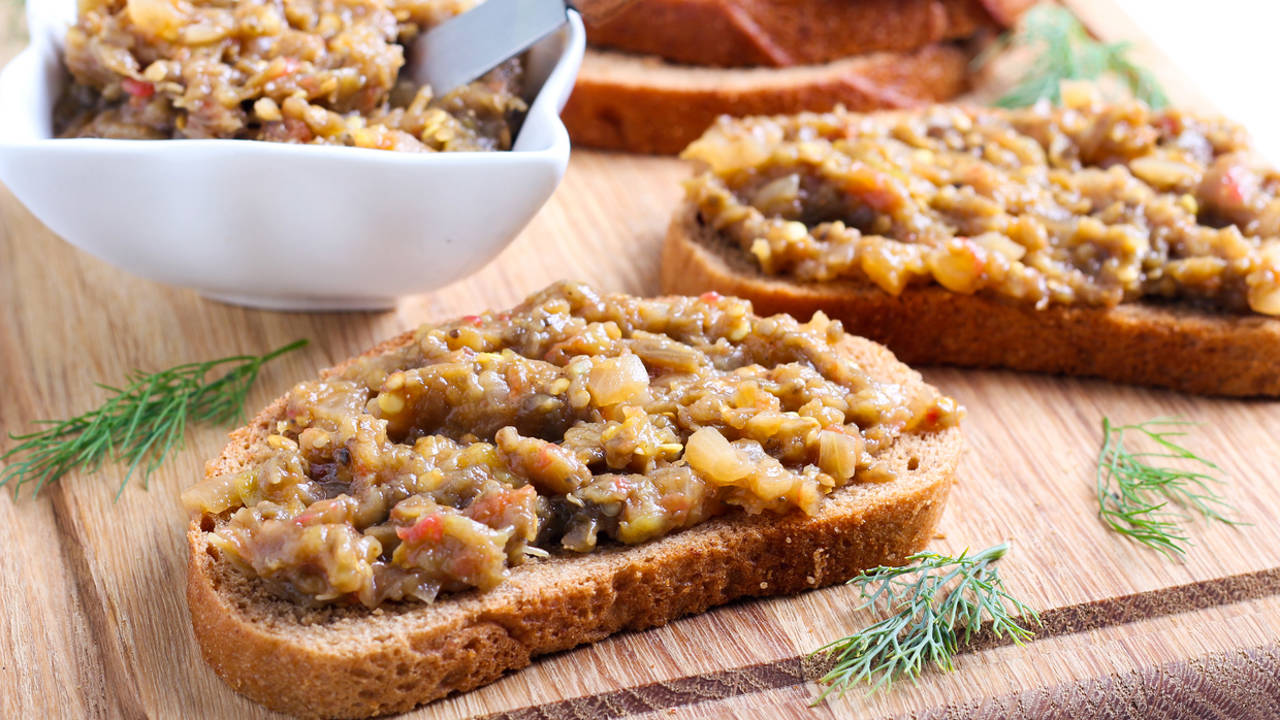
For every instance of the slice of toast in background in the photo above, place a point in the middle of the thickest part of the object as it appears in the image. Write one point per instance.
(1158, 344)
(644, 104)
(659, 72)
(780, 33)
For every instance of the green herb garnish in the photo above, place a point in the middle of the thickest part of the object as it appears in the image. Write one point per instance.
(1142, 500)
(1066, 51)
(140, 424)
(937, 602)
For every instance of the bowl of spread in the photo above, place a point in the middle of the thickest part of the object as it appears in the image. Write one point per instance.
(273, 158)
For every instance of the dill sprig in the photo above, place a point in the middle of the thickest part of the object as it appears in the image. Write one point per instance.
(139, 424)
(1066, 51)
(1147, 502)
(937, 602)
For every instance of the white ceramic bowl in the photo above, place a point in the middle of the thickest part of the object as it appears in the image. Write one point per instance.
(275, 225)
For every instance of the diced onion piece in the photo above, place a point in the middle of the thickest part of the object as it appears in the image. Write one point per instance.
(204, 32)
(1264, 297)
(780, 196)
(1197, 271)
(267, 110)
(1264, 282)
(1164, 173)
(958, 265)
(1001, 244)
(838, 454)
(713, 457)
(664, 353)
(1080, 94)
(617, 380)
(724, 153)
(772, 480)
(641, 527)
(884, 268)
(160, 18)
(212, 496)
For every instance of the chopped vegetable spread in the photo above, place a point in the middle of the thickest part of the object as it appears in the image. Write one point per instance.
(573, 420)
(297, 71)
(1084, 204)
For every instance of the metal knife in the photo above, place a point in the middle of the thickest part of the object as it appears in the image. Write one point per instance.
(473, 43)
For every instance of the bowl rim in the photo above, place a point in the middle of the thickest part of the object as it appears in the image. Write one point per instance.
(43, 49)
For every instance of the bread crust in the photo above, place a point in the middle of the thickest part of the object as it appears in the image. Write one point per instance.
(643, 104)
(1171, 346)
(351, 662)
(781, 33)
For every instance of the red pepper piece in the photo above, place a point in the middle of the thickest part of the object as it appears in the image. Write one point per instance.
(427, 528)
(137, 88)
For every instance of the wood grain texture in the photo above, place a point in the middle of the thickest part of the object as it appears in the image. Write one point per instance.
(1190, 688)
(95, 625)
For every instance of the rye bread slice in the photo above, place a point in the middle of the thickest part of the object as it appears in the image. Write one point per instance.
(640, 103)
(352, 662)
(780, 33)
(1162, 345)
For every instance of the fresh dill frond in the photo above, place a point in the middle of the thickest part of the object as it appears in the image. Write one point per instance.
(139, 424)
(1065, 51)
(936, 603)
(1147, 502)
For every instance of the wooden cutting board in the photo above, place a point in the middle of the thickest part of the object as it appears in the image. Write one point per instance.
(94, 621)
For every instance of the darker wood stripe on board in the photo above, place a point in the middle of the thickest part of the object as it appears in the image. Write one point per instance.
(1153, 683)
(669, 694)
(1140, 606)
(1236, 684)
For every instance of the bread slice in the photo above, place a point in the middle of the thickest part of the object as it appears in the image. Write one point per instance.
(644, 104)
(780, 33)
(352, 662)
(1162, 345)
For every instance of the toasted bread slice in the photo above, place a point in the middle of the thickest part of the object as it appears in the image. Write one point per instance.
(353, 662)
(780, 33)
(1162, 345)
(644, 104)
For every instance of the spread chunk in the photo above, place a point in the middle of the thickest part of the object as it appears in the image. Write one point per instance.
(298, 71)
(1086, 204)
(575, 419)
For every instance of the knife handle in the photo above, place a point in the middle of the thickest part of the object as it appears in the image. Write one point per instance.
(597, 11)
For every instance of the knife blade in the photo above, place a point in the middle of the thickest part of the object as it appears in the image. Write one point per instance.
(473, 43)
